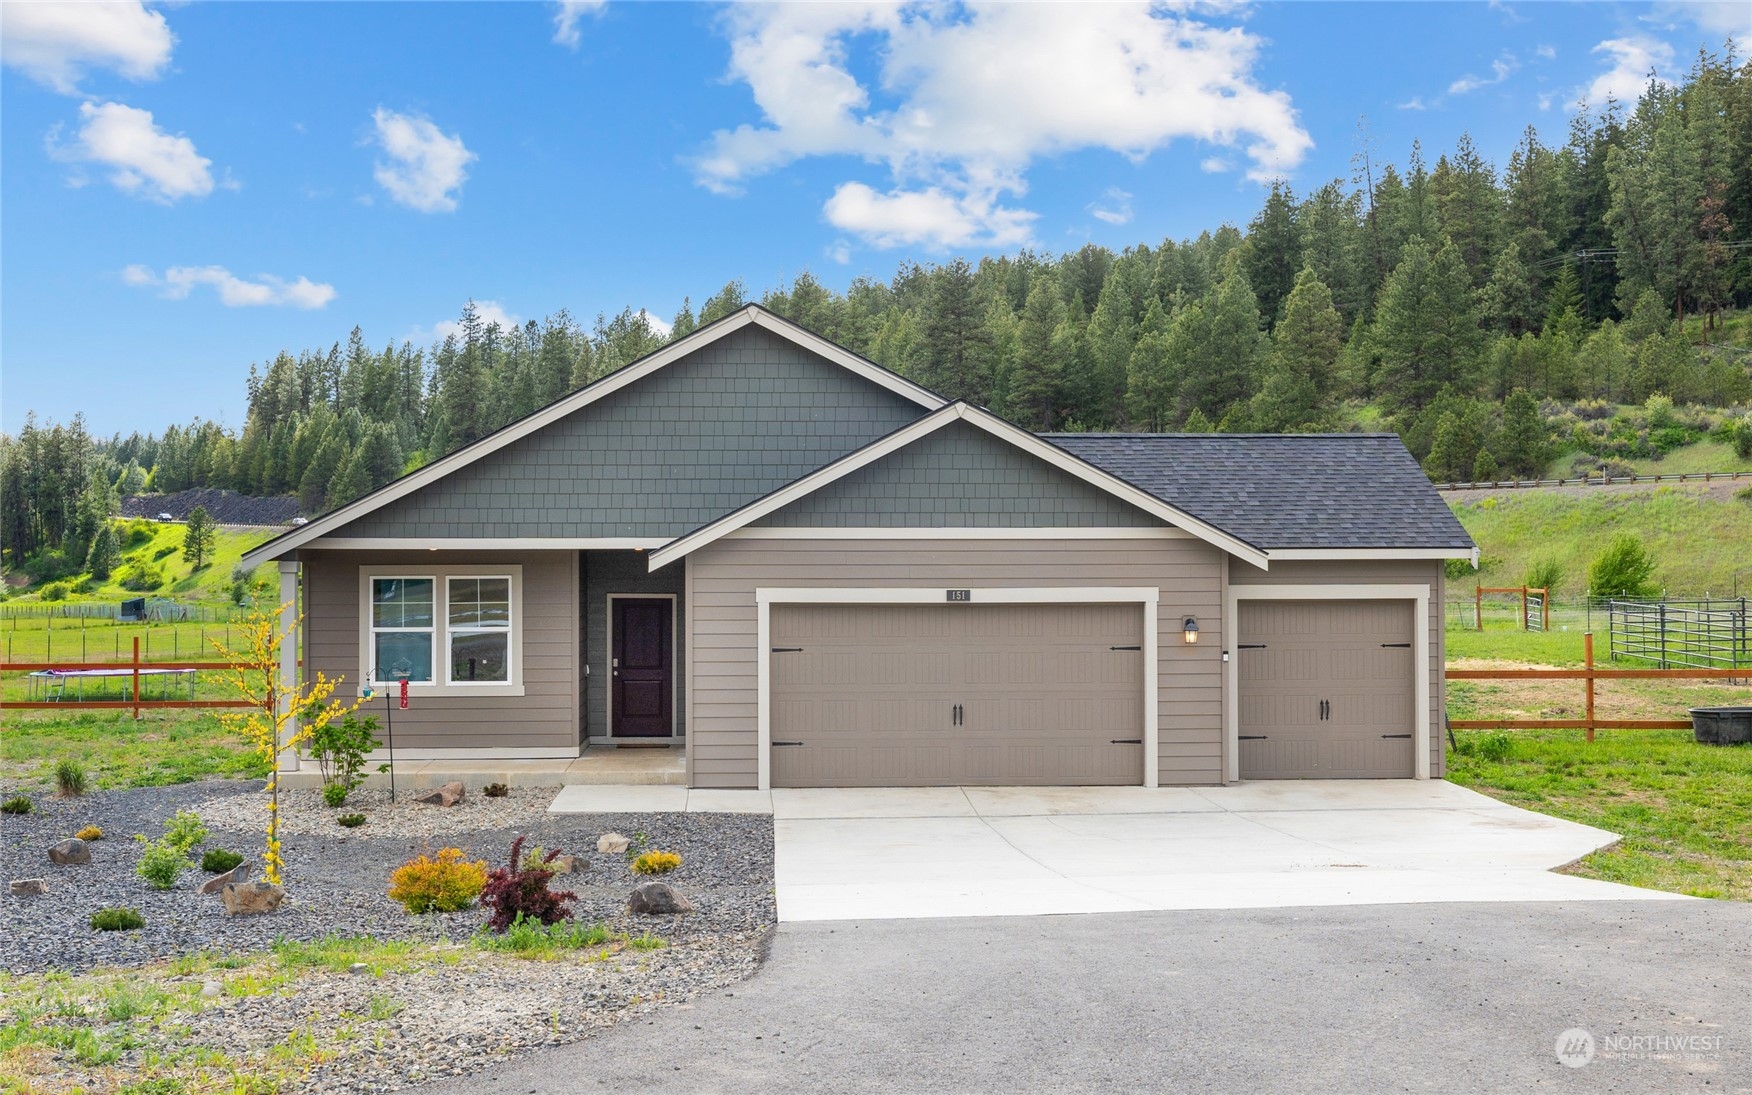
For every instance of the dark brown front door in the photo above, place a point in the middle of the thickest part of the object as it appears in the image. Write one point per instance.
(642, 682)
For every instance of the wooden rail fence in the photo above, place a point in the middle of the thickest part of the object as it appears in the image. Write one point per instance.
(1590, 674)
(134, 670)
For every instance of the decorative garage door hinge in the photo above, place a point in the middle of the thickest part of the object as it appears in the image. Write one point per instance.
(787, 650)
(779, 743)
(1125, 648)
(1251, 737)
(1125, 741)
(1402, 646)
(1250, 646)
(1396, 735)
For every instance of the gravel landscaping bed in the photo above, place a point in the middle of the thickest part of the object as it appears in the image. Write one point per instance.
(444, 1008)
(337, 878)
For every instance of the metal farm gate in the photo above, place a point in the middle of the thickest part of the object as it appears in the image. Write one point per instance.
(1697, 634)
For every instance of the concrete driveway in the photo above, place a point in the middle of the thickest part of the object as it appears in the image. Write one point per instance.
(953, 852)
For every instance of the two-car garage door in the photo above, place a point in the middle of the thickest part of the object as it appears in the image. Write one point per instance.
(911, 695)
(1326, 689)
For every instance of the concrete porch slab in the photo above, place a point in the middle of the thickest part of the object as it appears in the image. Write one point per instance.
(597, 799)
(619, 767)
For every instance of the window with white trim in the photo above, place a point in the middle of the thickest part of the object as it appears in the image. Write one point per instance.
(478, 629)
(442, 629)
(403, 627)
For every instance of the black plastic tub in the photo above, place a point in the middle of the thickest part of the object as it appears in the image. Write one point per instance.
(1722, 725)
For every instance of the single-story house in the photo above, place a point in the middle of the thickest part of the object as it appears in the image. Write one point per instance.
(807, 570)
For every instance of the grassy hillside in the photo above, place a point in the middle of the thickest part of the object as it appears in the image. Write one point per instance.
(1698, 533)
(159, 547)
(1700, 456)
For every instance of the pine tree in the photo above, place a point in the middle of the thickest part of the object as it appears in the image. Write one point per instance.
(1035, 376)
(199, 537)
(1274, 251)
(1151, 381)
(1510, 293)
(1523, 442)
(1426, 326)
(956, 346)
(1226, 350)
(104, 555)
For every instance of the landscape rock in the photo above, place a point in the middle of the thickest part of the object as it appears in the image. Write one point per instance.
(220, 881)
(211, 989)
(656, 899)
(612, 842)
(30, 887)
(248, 898)
(70, 852)
(448, 795)
(566, 864)
(359, 968)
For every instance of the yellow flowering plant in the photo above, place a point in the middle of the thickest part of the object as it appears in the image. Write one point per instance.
(277, 719)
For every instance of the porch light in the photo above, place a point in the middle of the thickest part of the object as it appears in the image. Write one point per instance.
(1189, 630)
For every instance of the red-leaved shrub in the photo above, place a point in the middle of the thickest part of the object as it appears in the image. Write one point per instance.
(518, 890)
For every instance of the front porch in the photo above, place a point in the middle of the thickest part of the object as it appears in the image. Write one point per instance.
(598, 766)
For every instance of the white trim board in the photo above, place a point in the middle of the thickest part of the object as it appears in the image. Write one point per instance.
(487, 543)
(508, 752)
(1375, 554)
(1418, 594)
(440, 575)
(583, 397)
(1122, 532)
(674, 670)
(913, 431)
(765, 597)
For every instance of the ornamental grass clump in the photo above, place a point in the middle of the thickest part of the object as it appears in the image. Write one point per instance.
(442, 883)
(17, 804)
(220, 860)
(519, 890)
(117, 920)
(656, 863)
(69, 779)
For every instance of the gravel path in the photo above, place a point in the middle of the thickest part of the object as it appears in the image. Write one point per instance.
(337, 878)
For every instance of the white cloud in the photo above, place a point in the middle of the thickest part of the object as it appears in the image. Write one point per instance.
(660, 325)
(966, 98)
(1414, 103)
(567, 16)
(425, 167)
(234, 292)
(840, 251)
(1717, 18)
(928, 216)
(55, 43)
(1548, 53)
(144, 159)
(1631, 61)
(1114, 207)
(1500, 70)
(1215, 165)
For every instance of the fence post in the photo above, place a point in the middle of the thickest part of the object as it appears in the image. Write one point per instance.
(136, 678)
(1523, 608)
(1545, 610)
(1478, 609)
(1663, 622)
(1588, 656)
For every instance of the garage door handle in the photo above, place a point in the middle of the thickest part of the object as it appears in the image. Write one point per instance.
(1396, 735)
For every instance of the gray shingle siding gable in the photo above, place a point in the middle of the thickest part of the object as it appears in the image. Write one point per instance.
(1285, 490)
(959, 477)
(707, 434)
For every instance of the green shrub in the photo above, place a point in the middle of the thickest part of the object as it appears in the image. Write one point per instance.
(339, 748)
(220, 860)
(334, 794)
(1624, 569)
(351, 821)
(530, 938)
(17, 804)
(87, 584)
(1544, 574)
(89, 833)
(656, 863)
(1743, 438)
(646, 942)
(1496, 746)
(117, 920)
(185, 830)
(161, 863)
(69, 778)
(441, 883)
(495, 790)
(140, 577)
(56, 591)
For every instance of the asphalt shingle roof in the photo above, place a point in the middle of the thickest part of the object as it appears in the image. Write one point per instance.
(1354, 490)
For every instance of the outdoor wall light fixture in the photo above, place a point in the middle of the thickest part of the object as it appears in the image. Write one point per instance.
(1189, 630)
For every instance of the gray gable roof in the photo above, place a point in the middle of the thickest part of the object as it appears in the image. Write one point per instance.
(1353, 490)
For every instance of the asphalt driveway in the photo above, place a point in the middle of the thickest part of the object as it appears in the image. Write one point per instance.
(847, 854)
(1360, 999)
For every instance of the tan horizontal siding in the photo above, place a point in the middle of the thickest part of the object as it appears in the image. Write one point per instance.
(722, 670)
(544, 717)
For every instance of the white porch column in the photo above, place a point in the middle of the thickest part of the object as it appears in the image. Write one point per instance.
(291, 641)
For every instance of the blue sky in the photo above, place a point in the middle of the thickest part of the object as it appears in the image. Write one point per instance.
(188, 189)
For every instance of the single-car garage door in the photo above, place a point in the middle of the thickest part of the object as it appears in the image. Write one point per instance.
(942, 695)
(1326, 689)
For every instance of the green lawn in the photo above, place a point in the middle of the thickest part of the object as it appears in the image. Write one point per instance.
(1696, 533)
(163, 747)
(1684, 810)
